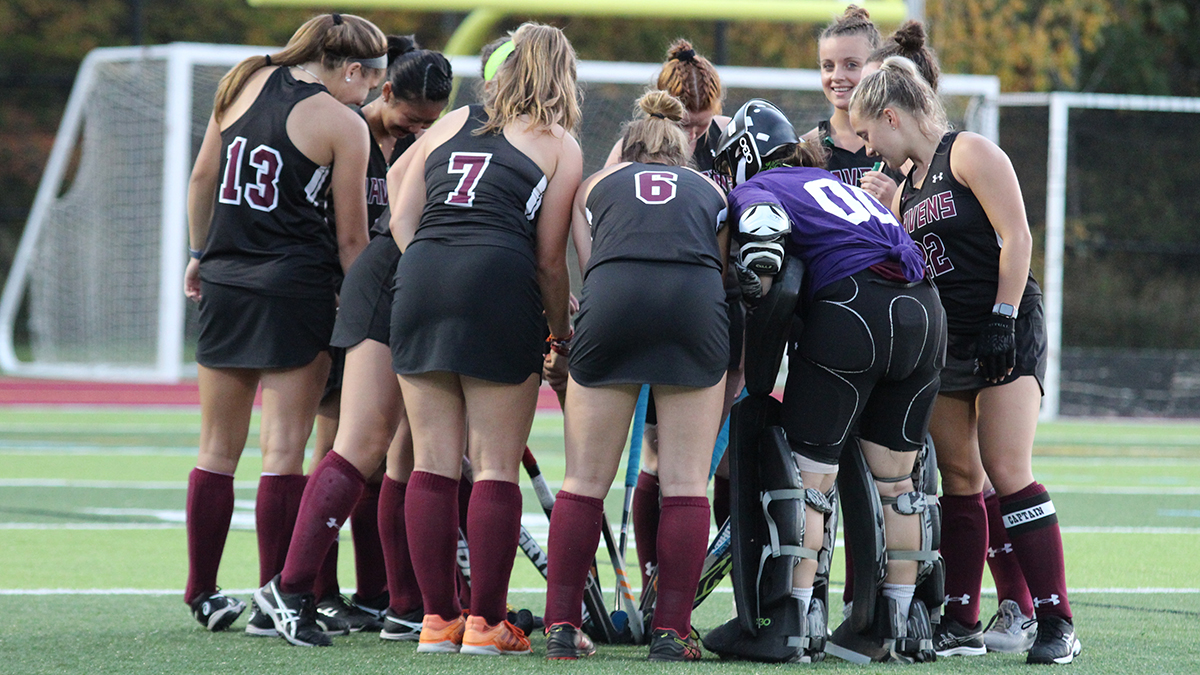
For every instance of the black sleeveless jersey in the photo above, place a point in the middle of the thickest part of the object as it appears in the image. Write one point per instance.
(377, 192)
(481, 191)
(269, 231)
(655, 213)
(962, 249)
(848, 166)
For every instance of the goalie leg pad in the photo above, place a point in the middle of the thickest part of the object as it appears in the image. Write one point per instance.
(783, 502)
(769, 326)
(862, 513)
(747, 421)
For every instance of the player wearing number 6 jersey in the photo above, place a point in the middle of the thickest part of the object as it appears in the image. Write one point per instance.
(651, 236)
(962, 203)
(483, 229)
(264, 265)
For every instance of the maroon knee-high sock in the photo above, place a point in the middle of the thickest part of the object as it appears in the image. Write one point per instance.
(332, 492)
(209, 510)
(964, 548)
(493, 530)
(370, 572)
(404, 595)
(430, 520)
(682, 540)
(720, 502)
(326, 584)
(1002, 559)
(1032, 527)
(275, 509)
(644, 514)
(574, 536)
(464, 502)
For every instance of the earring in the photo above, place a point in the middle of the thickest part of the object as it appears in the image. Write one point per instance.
(348, 79)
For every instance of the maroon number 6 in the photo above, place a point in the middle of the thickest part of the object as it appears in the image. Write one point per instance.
(655, 187)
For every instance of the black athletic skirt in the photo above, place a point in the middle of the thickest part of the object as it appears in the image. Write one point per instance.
(959, 373)
(651, 323)
(471, 310)
(365, 312)
(242, 328)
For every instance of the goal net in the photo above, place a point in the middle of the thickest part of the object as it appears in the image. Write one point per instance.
(95, 291)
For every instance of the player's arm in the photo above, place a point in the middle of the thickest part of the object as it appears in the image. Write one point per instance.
(202, 190)
(554, 222)
(581, 229)
(983, 167)
(406, 189)
(348, 185)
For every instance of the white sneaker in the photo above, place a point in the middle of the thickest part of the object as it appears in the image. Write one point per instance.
(1009, 631)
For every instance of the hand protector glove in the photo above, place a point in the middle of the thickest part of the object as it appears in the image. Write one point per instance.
(752, 290)
(996, 348)
(762, 257)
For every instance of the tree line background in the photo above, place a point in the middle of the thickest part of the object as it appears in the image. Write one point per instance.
(1133, 272)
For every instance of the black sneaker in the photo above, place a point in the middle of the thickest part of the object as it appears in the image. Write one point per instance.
(294, 615)
(406, 628)
(217, 611)
(377, 605)
(355, 619)
(259, 624)
(951, 638)
(666, 645)
(565, 642)
(1055, 642)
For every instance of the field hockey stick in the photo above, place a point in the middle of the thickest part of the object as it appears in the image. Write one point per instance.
(593, 597)
(634, 464)
(624, 590)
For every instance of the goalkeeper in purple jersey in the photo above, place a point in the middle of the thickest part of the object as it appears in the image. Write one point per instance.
(866, 346)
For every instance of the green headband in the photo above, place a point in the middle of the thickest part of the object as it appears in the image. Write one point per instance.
(497, 58)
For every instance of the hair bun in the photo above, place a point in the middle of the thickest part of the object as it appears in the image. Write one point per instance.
(856, 12)
(661, 104)
(399, 45)
(910, 36)
(681, 50)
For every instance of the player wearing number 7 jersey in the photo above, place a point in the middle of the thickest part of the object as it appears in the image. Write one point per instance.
(962, 202)
(264, 267)
(483, 228)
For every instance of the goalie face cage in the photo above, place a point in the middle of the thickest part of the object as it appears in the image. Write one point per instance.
(100, 265)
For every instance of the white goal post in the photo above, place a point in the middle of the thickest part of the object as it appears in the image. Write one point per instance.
(99, 269)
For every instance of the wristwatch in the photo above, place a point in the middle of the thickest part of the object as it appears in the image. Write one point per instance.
(1004, 309)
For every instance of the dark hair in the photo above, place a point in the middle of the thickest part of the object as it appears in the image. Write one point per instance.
(909, 41)
(417, 74)
(330, 38)
(691, 78)
(798, 154)
(855, 21)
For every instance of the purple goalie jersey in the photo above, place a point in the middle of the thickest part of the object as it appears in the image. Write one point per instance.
(837, 229)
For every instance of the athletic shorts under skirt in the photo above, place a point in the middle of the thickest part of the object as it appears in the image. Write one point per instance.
(651, 323)
(365, 312)
(475, 310)
(242, 328)
(959, 373)
(865, 364)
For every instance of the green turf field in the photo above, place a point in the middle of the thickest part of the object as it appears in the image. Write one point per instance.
(92, 555)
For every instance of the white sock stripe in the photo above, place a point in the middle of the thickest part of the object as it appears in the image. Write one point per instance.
(1036, 512)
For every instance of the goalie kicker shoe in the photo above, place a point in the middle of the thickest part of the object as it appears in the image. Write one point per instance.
(294, 615)
(352, 618)
(217, 611)
(1009, 631)
(951, 638)
(1055, 642)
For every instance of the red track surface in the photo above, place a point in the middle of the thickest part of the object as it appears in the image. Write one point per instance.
(17, 391)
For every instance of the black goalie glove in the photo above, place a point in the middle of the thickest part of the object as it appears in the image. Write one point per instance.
(996, 348)
(752, 290)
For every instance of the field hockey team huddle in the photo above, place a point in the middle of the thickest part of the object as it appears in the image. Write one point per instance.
(417, 319)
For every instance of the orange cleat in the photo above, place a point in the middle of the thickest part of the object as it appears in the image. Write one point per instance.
(439, 636)
(503, 639)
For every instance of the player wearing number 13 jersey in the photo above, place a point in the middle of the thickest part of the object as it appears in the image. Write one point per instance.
(483, 230)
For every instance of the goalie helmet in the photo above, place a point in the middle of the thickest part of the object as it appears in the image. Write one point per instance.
(757, 129)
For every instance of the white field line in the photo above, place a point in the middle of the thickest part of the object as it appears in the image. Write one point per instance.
(533, 590)
(182, 485)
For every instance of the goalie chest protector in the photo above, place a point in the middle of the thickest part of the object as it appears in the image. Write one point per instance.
(269, 230)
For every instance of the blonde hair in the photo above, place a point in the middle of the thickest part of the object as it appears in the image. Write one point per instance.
(691, 78)
(654, 134)
(538, 80)
(332, 38)
(898, 84)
